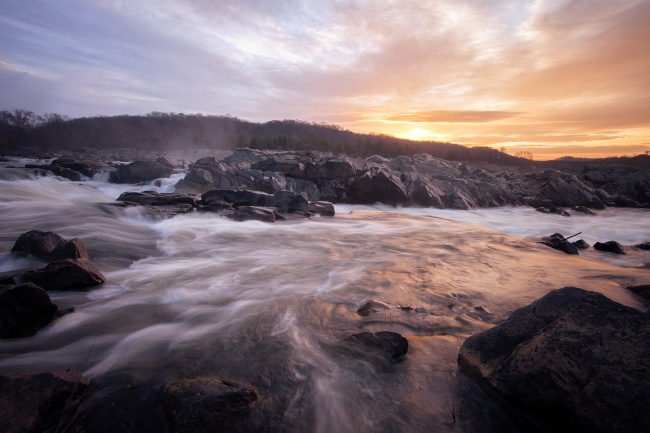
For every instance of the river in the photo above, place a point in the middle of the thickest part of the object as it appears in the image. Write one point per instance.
(269, 304)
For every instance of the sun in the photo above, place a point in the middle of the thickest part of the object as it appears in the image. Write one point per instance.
(416, 134)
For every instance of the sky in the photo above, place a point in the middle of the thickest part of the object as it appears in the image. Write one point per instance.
(550, 77)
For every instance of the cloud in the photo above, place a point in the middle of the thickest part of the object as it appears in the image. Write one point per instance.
(452, 116)
(462, 69)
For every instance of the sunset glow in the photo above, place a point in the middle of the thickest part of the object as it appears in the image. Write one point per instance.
(553, 77)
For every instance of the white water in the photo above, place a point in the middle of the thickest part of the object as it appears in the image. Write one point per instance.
(268, 304)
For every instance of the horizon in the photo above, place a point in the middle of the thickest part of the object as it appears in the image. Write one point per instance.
(551, 77)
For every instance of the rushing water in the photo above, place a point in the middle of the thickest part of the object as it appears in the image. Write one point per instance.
(268, 304)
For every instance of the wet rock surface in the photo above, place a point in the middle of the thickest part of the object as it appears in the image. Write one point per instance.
(24, 309)
(391, 345)
(33, 403)
(206, 404)
(571, 361)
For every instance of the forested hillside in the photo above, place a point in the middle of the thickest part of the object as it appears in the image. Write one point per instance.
(173, 131)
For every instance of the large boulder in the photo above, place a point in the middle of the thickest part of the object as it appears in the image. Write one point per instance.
(571, 361)
(140, 171)
(67, 274)
(207, 404)
(378, 185)
(33, 403)
(49, 246)
(24, 309)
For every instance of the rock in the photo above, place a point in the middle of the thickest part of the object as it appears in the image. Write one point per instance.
(571, 361)
(153, 198)
(257, 213)
(87, 167)
(584, 210)
(207, 404)
(580, 244)
(68, 274)
(558, 242)
(290, 168)
(378, 185)
(31, 403)
(643, 246)
(37, 243)
(323, 208)
(24, 309)
(140, 171)
(290, 202)
(332, 168)
(630, 183)
(237, 197)
(372, 307)
(390, 344)
(58, 171)
(610, 247)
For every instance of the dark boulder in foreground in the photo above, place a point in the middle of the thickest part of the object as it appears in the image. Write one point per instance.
(49, 246)
(24, 310)
(31, 403)
(390, 344)
(609, 247)
(207, 404)
(571, 361)
(68, 274)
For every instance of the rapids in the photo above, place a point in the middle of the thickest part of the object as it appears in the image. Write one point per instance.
(268, 304)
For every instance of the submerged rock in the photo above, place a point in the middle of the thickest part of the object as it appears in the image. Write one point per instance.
(643, 246)
(391, 345)
(609, 247)
(571, 361)
(207, 404)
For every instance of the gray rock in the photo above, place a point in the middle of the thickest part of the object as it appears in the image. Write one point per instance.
(378, 185)
(571, 361)
(205, 404)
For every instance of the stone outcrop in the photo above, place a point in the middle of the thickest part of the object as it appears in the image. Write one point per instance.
(558, 242)
(207, 404)
(419, 180)
(571, 361)
(33, 403)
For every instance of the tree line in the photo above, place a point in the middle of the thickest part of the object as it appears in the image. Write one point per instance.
(162, 132)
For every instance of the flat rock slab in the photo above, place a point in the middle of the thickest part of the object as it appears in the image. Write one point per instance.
(207, 404)
(572, 361)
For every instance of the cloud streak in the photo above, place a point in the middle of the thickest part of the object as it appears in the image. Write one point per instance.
(464, 70)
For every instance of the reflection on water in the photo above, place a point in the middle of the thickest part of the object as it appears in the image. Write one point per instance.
(268, 304)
